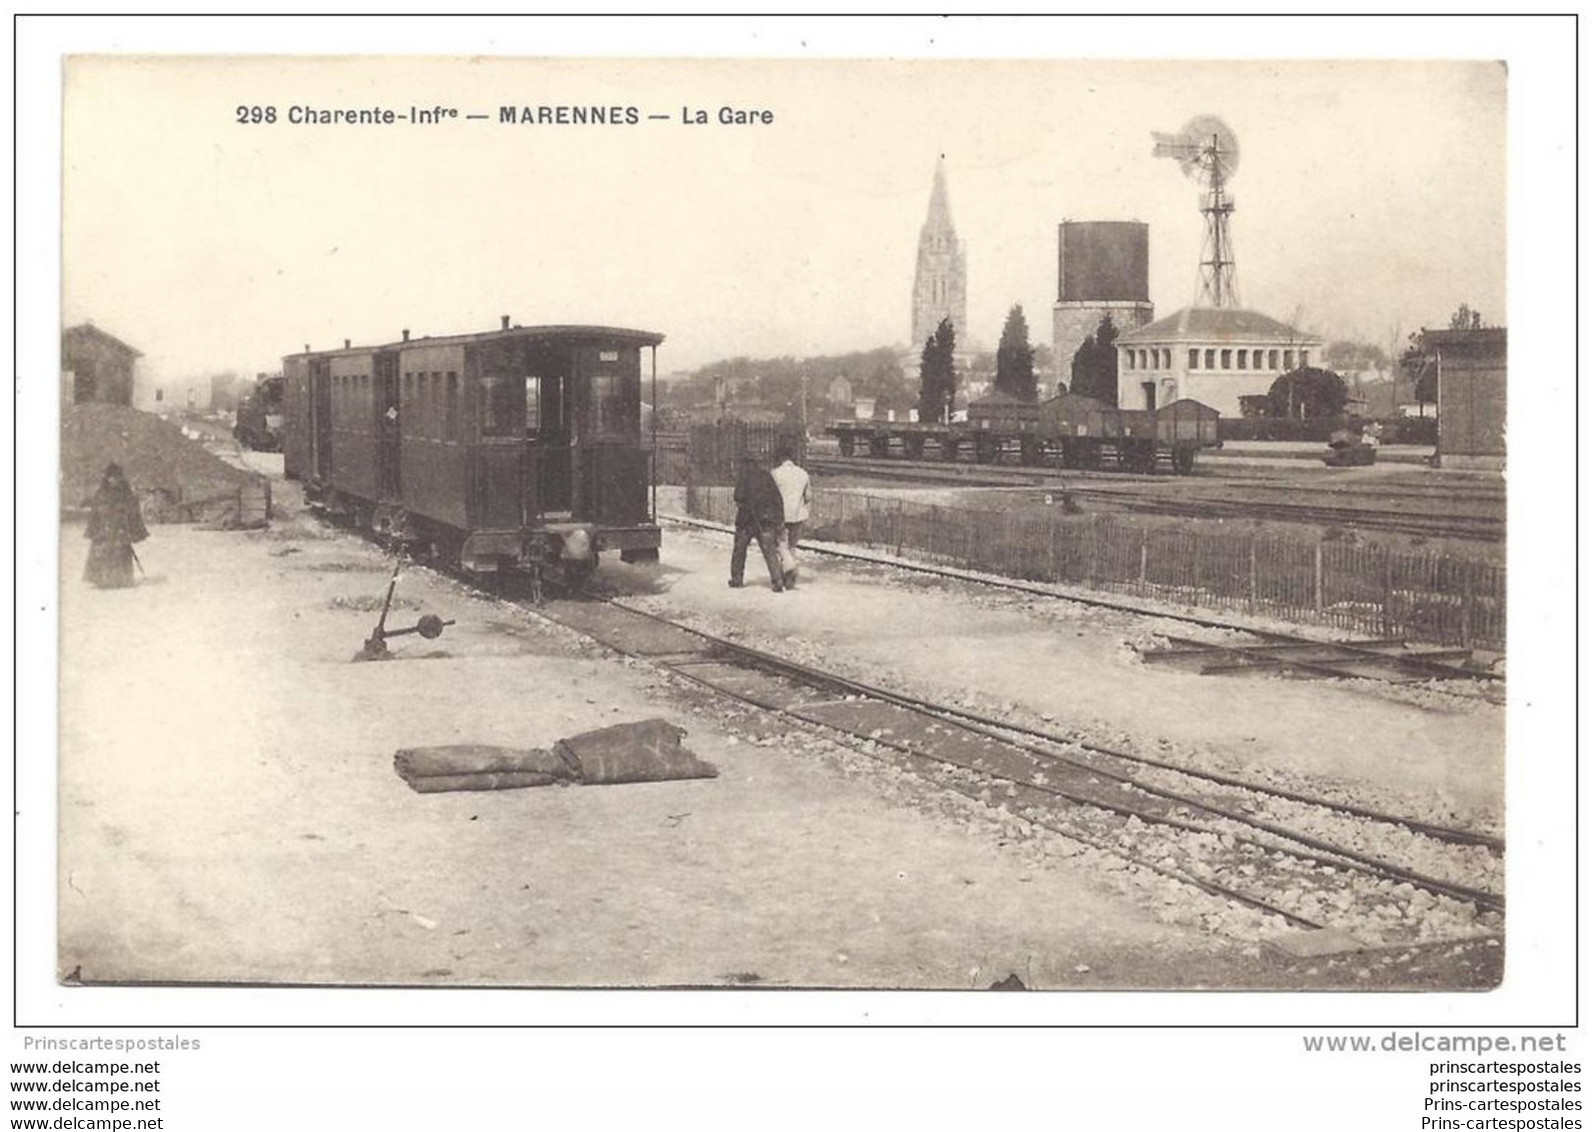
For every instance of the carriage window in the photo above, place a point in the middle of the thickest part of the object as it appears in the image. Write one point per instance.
(1243, 359)
(1210, 359)
(1287, 359)
(608, 403)
(501, 411)
(450, 411)
(1193, 359)
(1227, 359)
(533, 404)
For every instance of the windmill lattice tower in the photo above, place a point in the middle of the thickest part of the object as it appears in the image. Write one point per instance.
(1207, 151)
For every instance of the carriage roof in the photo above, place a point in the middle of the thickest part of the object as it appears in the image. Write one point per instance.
(567, 332)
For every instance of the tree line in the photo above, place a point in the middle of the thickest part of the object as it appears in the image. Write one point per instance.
(782, 383)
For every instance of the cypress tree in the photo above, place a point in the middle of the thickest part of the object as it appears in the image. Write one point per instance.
(1014, 359)
(937, 372)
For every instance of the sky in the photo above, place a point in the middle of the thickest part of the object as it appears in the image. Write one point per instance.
(1370, 197)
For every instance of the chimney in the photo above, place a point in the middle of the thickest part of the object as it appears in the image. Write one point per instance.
(347, 343)
(306, 347)
(406, 335)
(505, 322)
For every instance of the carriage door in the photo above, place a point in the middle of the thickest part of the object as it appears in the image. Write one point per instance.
(547, 428)
(388, 483)
(1149, 394)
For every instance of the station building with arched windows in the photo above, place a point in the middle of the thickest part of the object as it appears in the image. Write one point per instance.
(1210, 354)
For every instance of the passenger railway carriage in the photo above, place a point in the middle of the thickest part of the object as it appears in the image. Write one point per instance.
(516, 449)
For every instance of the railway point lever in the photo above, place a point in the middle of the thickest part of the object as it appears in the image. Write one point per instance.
(429, 626)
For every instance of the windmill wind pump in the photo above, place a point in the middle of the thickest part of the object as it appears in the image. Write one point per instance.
(1207, 152)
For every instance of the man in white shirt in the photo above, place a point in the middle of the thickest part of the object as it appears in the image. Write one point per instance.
(794, 489)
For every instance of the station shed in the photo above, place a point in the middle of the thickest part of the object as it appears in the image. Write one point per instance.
(1472, 379)
(96, 366)
(1214, 355)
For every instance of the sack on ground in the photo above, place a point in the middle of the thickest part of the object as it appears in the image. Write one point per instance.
(429, 770)
(648, 751)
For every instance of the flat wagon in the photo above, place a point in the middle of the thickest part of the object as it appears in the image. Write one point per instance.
(1070, 430)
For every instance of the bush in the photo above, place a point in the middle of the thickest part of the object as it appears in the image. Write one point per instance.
(1410, 430)
(1263, 428)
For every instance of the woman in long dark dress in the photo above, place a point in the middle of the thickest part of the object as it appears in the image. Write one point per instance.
(114, 524)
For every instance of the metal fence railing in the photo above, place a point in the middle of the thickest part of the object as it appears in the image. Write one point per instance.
(1420, 596)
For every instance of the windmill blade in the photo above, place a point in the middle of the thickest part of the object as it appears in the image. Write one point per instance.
(1178, 147)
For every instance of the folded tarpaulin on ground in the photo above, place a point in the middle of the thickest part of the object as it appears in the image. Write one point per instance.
(648, 751)
(431, 770)
(487, 780)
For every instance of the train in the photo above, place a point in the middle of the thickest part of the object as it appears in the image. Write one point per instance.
(258, 422)
(1070, 430)
(515, 450)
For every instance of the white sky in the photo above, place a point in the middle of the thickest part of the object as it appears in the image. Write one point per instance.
(1370, 197)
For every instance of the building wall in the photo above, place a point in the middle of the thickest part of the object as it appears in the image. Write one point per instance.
(1072, 322)
(102, 370)
(1220, 386)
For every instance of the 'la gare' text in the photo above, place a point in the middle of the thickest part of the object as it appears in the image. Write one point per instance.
(727, 116)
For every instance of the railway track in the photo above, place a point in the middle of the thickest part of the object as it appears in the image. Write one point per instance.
(1282, 854)
(1488, 682)
(1476, 527)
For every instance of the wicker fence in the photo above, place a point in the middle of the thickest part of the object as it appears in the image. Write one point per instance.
(1364, 590)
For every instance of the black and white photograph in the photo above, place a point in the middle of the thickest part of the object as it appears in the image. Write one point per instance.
(852, 521)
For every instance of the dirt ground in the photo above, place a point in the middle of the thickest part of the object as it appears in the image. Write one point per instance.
(229, 811)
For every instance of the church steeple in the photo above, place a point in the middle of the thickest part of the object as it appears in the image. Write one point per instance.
(939, 288)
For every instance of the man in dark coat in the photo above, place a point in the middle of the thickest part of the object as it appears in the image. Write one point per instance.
(114, 524)
(759, 514)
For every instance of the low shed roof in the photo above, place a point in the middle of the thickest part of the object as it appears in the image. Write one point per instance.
(1227, 324)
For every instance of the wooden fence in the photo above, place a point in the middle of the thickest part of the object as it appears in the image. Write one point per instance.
(716, 449)
(1362, 590)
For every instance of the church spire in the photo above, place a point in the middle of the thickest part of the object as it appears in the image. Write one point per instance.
(939, 199)
(939, 288)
